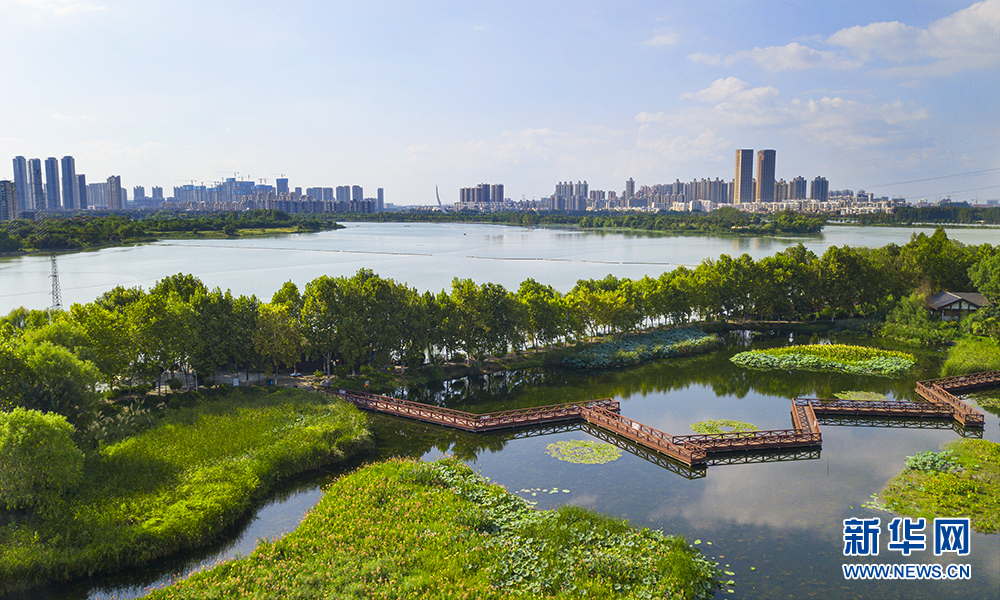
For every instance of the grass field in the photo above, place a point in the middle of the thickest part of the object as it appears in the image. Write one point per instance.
(404, 529)
(178, 485)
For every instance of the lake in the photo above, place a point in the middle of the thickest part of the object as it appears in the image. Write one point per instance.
(424, 255)
(775, 522)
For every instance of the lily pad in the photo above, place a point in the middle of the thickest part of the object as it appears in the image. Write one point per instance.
(583, 452)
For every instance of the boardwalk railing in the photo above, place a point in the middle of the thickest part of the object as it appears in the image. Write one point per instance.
(697, 449)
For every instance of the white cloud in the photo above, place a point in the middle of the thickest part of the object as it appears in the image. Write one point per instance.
(792, 57)
(731, 89)
(60, 7)
(736, 106)
(964, 40)
(663, 39)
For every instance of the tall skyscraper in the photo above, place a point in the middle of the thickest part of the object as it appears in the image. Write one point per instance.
(158, 194)
(115, 193)
(8, 200)
(81, 181)
(381, 200)
(743, 180)
(797, 188)
(629, 188)
(70, 186)
(21, 181)
(281, 184)
(52, 184)
(36, 189)
(496, 192)
(765, 176)
(820, 189)
(357, 193)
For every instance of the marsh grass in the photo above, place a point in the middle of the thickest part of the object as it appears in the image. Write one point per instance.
(403, 529)
(834, 358)
(972, 355)
(963, 481)
(179, 484)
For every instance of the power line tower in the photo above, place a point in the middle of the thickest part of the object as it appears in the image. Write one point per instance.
(56, 292)
(42, 227)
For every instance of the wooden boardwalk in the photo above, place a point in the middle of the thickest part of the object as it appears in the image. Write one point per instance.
(701, 449)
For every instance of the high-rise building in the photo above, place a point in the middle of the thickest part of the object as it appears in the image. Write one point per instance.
(629, 188)
(343, 193)
(357, 193)
(81, 181)
(138, 193)
(743, 180)
(158, 194)
(820, 189)
(8, 201)
(765, 176)
(496, 192)
(797, 188)
(70, 186)
(115, 200)
(380, 197)
(36, 189)
(52, 184)
(281, 184)
(21, 181)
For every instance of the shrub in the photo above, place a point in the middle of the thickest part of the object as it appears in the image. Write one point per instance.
(39, 458)
(637, 349)
(175, 384)
(835, 358)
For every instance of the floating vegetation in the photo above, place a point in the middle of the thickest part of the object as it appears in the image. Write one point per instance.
(637, 349)
(720, 426)
(862, 396)
(835, 358)
(963, 481)
(582, 452)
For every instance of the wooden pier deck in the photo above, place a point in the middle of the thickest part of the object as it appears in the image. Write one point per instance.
(701, 449)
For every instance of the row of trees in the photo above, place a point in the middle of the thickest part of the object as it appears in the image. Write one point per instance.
(130, 336)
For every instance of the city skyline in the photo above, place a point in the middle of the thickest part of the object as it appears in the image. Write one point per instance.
(601, 92)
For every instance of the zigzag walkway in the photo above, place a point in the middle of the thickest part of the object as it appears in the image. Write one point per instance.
(699, 449)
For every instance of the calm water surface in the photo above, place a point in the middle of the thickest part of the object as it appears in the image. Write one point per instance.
(424, 255)
(781, 516)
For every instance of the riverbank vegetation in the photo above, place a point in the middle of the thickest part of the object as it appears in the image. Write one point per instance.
(909, 215)
(404, 529)
(833, 358)
(962, 481)
(626, 351)
(726, 220)
(972, 355)
(176, 485)
(83, 231)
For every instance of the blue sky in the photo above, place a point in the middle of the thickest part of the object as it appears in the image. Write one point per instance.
(407, 95)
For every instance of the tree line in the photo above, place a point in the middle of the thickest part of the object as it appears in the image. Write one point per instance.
(723, 220)
(130, 336)
(82, 231)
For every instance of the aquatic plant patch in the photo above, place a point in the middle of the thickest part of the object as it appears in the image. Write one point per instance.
(583, 452)
(835, 358)
(180, 484)
(637, 349)
(405, 529)
(861, 396)
(719, 426)
(963, 481)
(972, 355)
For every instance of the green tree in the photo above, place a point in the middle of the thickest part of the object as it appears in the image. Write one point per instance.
(55, 380)
(40, 460)
(985, 274)
(277, 337)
